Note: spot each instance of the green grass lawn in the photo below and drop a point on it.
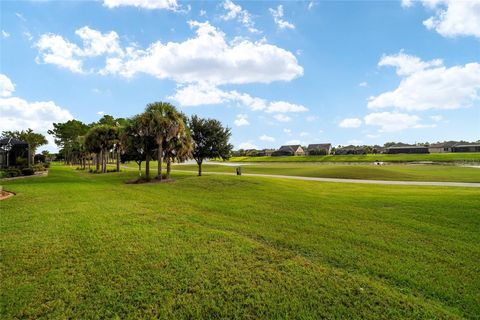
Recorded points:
(437, 157)
(370, 172)
(79, 245)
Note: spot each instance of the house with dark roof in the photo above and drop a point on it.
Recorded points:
(466, 147)
(289, 150)
(266, 152)
(319, 149)
(11, 150)
(442, 147)
(405, 148)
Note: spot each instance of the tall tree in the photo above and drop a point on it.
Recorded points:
(66, 135)
(101, 139)
(178, 148)
(33, 139)
(210, 140)
(166, 123)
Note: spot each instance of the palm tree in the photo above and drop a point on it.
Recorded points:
(101, 139)
(166, 123)
(178, 149)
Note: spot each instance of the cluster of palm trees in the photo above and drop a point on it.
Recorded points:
(161, 131)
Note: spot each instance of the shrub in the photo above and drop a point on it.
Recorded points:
(28, 171)
(38, 167)
(11, 172)
(22, 162)
(47, 164)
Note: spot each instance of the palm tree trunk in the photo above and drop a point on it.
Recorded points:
(159, 158)
(97, 162)
(105, 159)
(118, 161)
(169, 167)
(147, 166)
(199, 168)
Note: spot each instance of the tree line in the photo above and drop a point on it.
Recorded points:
(161, 132)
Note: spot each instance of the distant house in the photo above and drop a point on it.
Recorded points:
(291, 150)
(442, 147)
(349, 150)
(251, 152)
(319, 149)
(266, 152)
(11, 150)
(466, 147)
(405, 148)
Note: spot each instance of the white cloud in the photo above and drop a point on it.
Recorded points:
(363, 84)
(350, 123)
(278, 18)
(235, 12)
(144, 4)
(202, 13)
(429, 85)
(19, 114)
(241, 120)
(20, 16)
(304, 134)
(407, 3)
(406, 64)
(311, 4)
(454, 17)
(5, 34)
(95, 43)
(247, 145)
(28, 35)
(394, 121)
(6, 86)
(101, 113)
(373, 136)
(208, 57)
(283, 107)
(288, 131)
(282, 118)
(437, 118)
(55, 50)
(311, 118)
(267, 138)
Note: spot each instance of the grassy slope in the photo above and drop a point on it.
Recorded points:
(442, 157)
(80, 245)
(369, 172)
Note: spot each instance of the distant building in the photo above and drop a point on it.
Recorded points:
(11, 150)
(290, 150)
(442, 147)
(466, 147)
(251, 152)
(266, 152)
(319, 149)
(405, 148)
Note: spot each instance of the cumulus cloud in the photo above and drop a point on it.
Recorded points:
(266, 138)
(6, 86)
(5, 34)
(19, 114)
(277, 15)
(394, 121)
(283, 107)
(350, 123)
(210, 58)
(235, 12)
(144, 4)
(429, 85)
(363, 84)
(452, 17)
(241, 120)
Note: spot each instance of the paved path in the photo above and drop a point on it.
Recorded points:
(387, 182)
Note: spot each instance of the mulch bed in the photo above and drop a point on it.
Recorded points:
(5, 194)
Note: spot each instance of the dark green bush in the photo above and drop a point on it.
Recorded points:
(11, 172)
(22, 162)
(28, 171)
(39, 167)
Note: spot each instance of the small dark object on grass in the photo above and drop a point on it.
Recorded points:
(239, 171)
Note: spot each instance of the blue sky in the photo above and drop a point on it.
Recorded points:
(361, 72)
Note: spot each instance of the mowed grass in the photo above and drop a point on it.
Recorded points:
(403, 172)
(79, 245)
(437, 157)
